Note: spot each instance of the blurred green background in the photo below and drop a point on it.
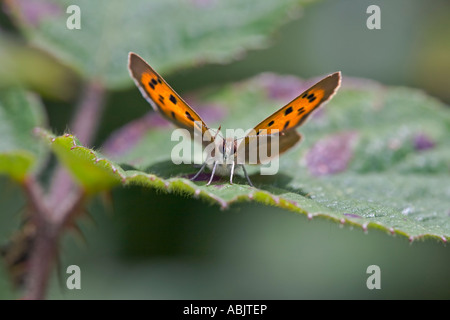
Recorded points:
(157, 246)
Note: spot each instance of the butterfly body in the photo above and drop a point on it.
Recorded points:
(222, 169)
(276, 133)
(223, 160)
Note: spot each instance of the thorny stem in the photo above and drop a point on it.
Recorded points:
(54, 211)
(84, 126)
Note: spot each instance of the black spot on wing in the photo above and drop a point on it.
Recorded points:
(286, 125)
(288, 110)
(161, 99)
(300, 110)
(154, 82)
(173, 114)
(188, 115)
(151, 85)
(271, 123)
(174, 100)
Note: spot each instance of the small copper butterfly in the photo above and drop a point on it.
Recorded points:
(282, 123)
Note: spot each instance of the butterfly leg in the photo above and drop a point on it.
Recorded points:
(212, 174)
(200, 171)
(246, 176)
(232, 172)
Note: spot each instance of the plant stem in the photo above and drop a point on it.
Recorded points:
(56, 210)
(89, 111)
(84, 127)
(43, 245)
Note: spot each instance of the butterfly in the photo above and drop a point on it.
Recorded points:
(231, 153)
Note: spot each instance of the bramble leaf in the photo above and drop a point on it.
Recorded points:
(373, 157)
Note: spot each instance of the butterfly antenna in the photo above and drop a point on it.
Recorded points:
(218, 132)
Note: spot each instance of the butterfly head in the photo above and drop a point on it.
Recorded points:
(227, 150)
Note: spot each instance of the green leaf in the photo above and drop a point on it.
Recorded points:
(33, 69)
(373, 157)
(20, 113)
(170, 33)
(88, 167)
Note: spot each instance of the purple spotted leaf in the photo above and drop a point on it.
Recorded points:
(375, 157)
(128, 136)
(423, 142)
(331, 154)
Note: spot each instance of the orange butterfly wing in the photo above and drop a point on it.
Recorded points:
(162, 97)
(292, 115)
(298, 110)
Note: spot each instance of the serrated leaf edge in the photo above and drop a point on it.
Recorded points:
(184, 186)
